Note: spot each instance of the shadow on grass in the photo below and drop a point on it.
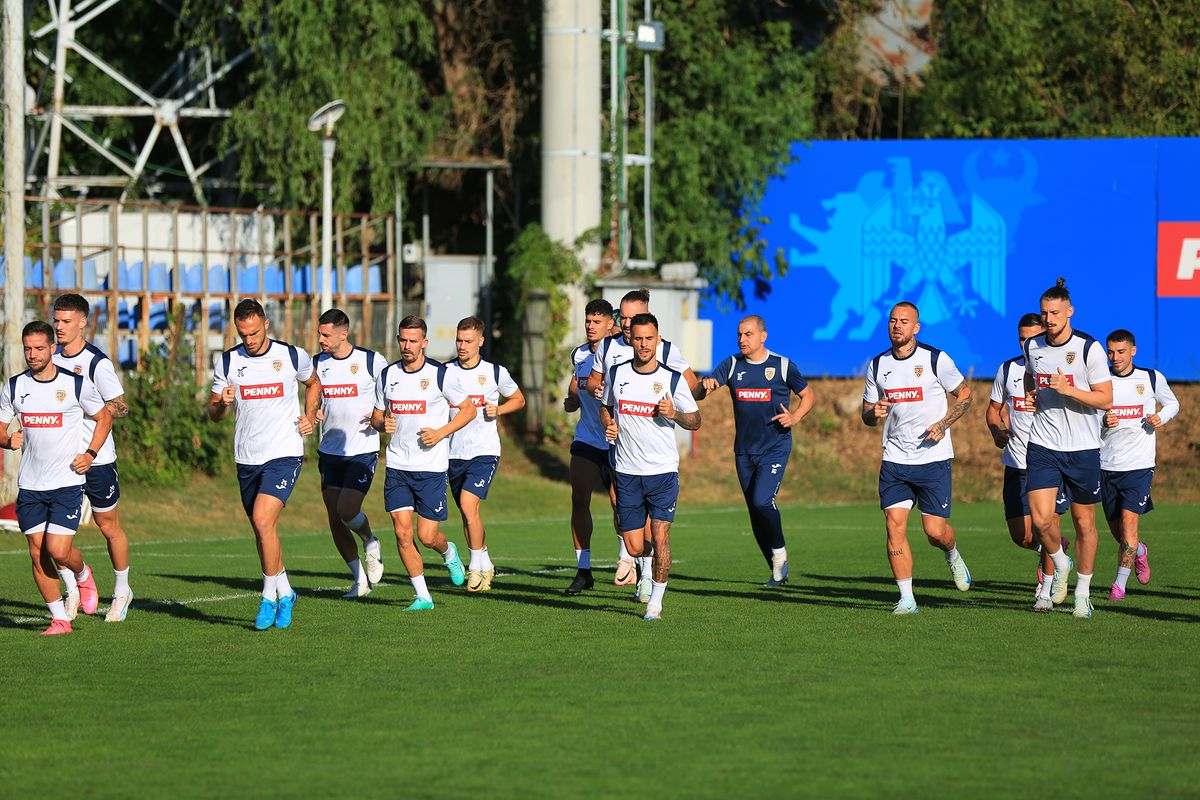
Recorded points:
(549, 463)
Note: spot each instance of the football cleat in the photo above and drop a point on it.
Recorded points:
(488, 576)
(358, 590)
(779, 570)
(1058, 586)
(420, 604)
(266, 615)
(89, 598)
(283, 615)
(475, 580)
(960, 573)
(583, 581)
(653, 613)
(1116, 595)
(71, 601)
(457, 575)
(119, 608)
(626, 572)
(372, 560)
(644, 587)
(1141, 565)
(1066, 543)
(57, 626)
(906, 606)
(1083, 607)
(1043, 604)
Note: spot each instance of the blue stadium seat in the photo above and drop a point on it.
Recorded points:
(301, 278)
(273, 278)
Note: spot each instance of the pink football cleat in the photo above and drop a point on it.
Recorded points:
(1141, 565)
(57, 626)
(89, 598)
(1116, 595)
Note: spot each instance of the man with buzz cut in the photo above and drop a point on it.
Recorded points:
(906, 390)
(761, 385)
(51, 404)
(349, 447)
(102, 487)
(413, 403)
(475, 448)
(1142, 402)
(258, 380)
(617, 349)
(643, 402)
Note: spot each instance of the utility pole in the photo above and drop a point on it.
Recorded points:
(14, 212)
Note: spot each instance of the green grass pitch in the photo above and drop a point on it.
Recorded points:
(811, 690)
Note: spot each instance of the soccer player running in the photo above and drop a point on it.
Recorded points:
(1009, 418)
(1068, 382)
(589, 449)
(349, 447)
(643, 402)
(614, 350)
(761, 384)
(258, 380)
(51, 404)
(906, 391)
(1127, 453)
(101, 487)
(475, 448)
(413, 400)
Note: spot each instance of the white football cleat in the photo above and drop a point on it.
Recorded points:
(357, 590)
(1083, 607)
(1042, 605)
(779, 570)
(372, 560)
(908, 606)
(960, 573)
(1058, 585)
(119, 608)
(644, 587)
(71, 601)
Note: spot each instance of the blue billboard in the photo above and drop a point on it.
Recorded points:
(972, 232)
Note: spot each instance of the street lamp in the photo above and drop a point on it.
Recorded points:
(323, 119)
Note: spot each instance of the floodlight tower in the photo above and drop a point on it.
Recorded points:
(323, 119)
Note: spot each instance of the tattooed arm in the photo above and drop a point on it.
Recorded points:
(118, 407)
(962, 401)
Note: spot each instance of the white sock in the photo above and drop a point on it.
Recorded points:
(779, 551)
(356, 571)
(58, 610)
(624, 553)
(476, 560)
(281, 584)
(269, 592)
(1141, 551)
(418, 582)
(1044, 587)
(372, 546)
(905, 589)
(83, 574)
(68, 579)
(487, 561)
(1083, 585)
(1122, 577)
(1060, 560)
(951, 554)
(656, 593)
(583, 559)
(120, 582)
(449, 553)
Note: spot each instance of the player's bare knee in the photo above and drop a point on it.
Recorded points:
(60, 551)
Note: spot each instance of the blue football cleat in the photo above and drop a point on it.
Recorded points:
(283, 617)
(457, 575)
(266, 615)
(420, 604)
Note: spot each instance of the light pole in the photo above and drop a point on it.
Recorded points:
(323, 119)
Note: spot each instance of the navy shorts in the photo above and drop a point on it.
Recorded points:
(1016, 499)
(101, 486)
(1128, 491)
(474, 475)
(54, 511)
(423, 492)
(277, 478)
(347, 472)
(591, 453)
(1078, 471)
(639, 496)
(927, 484)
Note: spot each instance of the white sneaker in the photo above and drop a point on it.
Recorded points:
(359, 589)
(72, 603)
(779, 570)
(644, 587)
(653, 613)
(119, 608)
(960, 573)
(1058, 585)
(908, 606)
(1083, 607)
(1042, 605)
(372, 560)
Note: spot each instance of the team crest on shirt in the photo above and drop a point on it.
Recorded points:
(918, 371)
(1140, 388)
(354, 369)
(769, 373)
(424, 384)
(277, 365)
(60, 395)
(658, 387)
(1071, 357)
(482, 379)
(78, 370)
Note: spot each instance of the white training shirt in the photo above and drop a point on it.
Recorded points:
(1131, 445)
(51, 416)
(645, 444)
(266, 406)
(1066, 426)
(93, 364)
(916, 385)
(588, 430)
(347, 399)
(419, 399)
(614, 350)
(484, 383)
(1009, 389)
